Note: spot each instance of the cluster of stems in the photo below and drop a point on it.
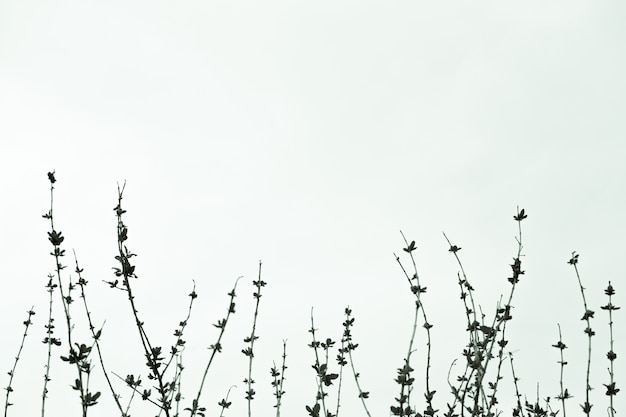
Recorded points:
(475, 393)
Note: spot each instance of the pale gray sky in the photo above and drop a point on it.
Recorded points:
(307, 134)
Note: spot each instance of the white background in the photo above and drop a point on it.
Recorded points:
(306, 135)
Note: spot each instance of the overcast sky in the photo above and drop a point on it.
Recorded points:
(307, 135)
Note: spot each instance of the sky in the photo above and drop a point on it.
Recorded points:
(307, 135)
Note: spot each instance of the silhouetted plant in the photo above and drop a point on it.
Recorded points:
(475, 392)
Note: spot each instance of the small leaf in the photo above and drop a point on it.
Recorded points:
(520, 216)
(410, 248)
(454, 249)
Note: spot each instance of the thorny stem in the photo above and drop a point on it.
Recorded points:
(409, 353)
(126, 270)
(250, 353)
(404, 373)
(465, 280)
(611, 389)
(465, 377)
(217, 347)
(587, 316)
(178, 381)
(358, 384)
(472, 326)
(506, 315)
(278, 386)
(347, 346)
(56, 239)
(50, 341)
(96, 336)
(341, 364)
(9, 388)
(564, 394)
(418, 290)
(517, 394)
(320, 386)
(183, 325)
(343, 343)
(407, 361)
(176, 352)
